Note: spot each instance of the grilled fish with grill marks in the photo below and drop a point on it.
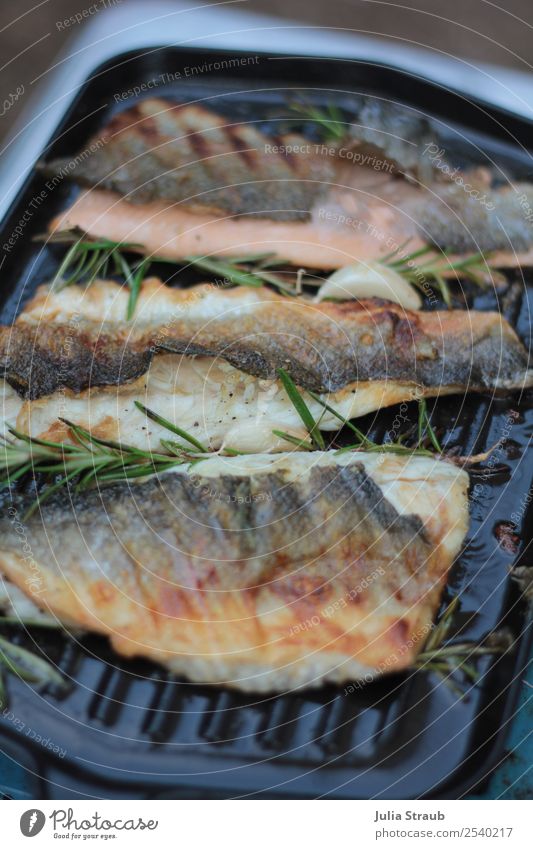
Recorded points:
(181, 180)
(78, 337)
(264, 573)
(189, 154)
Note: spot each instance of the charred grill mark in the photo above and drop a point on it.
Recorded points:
(148, 132)
(200, 146)
(290, 158)
(125, 120)
(165, 153)
(242, 147)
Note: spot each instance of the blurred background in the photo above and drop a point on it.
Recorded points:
(33, 33)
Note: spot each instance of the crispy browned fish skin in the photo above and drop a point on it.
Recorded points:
(219, 576)
(324, 347)
(187, 153)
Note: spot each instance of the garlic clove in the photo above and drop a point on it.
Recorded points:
(369, 280)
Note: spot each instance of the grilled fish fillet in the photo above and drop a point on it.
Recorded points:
(78, 337)
(187, 153)
(219, 405)
(181, 180)
(264, 573)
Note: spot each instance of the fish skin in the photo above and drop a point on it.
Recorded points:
(459, 223)
(187, 153)
(324, 347)
(215, 573)
(191, 155)
(34, 362)
(396, 134)
(318, 210)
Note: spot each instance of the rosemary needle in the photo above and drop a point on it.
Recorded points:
(171, 427)
(363, 443)
(26, 665)
(329, 119)
(302, 409)
(425, 265)
(446, 658)
(88, 259)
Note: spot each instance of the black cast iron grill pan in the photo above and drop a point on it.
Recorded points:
(128, 730)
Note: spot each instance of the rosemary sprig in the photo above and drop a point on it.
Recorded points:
(435, 267)
(425, 431)
(328, 119)
(26, 665)
(252, 270)
(313, 427)
(86, 461)
(363, 442)
(155, 417)
(87, 259)
(446, 658)
(425, 428)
